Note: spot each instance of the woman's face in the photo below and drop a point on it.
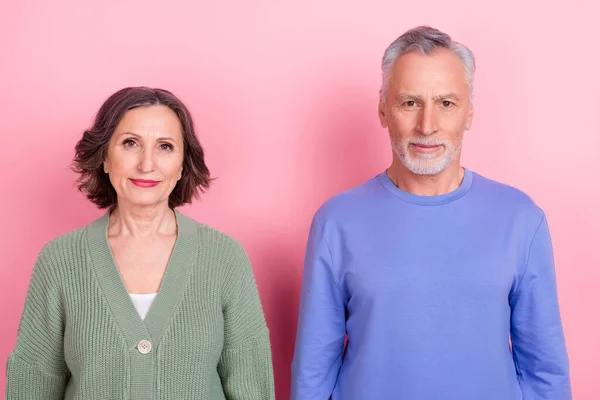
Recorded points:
(145, 156)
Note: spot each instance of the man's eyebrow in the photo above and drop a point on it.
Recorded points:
(451, 96)
(408, 97)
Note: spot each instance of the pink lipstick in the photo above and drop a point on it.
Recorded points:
(145, 183)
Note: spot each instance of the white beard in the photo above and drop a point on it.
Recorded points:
(425, 164)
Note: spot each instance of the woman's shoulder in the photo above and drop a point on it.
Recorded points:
(66, 242)
(62, 252)
(212, 238)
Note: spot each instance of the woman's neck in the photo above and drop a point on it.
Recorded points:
(142, 222)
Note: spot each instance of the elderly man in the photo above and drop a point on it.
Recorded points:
(441, 280)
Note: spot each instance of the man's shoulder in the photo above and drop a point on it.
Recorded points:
(504, 196)
(350, 201)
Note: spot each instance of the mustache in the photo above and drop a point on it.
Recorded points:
(428, 141)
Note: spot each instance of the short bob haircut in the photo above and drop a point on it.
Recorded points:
(91, 151)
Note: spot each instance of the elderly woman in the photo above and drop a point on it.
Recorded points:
(143, 303)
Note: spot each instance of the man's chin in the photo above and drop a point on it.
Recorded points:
(425, 167)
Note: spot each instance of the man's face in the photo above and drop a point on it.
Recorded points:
(427, 110)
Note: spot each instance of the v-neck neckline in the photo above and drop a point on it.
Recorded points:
(168, 296)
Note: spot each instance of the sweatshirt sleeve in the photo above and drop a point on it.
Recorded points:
(537, 337)
(321, 324)
(245, 366)
(36, 369)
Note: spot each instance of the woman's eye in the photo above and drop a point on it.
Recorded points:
(129, 143)
(166, 147)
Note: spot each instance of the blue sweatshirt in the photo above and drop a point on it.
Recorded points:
(449, 297)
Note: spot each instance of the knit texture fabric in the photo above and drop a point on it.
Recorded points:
(80, 336)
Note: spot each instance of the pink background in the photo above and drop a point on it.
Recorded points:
(285, 96)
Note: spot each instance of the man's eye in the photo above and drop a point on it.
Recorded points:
(447, 104)
(410, 103)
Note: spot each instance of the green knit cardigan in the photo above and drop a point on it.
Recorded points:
(80, 336)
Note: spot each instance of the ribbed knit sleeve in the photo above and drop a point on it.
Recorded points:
(245, 366)
(36, 369)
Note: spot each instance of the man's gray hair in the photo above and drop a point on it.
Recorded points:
(425, 40)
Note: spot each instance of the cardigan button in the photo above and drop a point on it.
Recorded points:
(144, 346)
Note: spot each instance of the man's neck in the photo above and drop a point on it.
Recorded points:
(445, 182)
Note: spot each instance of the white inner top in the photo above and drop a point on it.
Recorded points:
(142, 302)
